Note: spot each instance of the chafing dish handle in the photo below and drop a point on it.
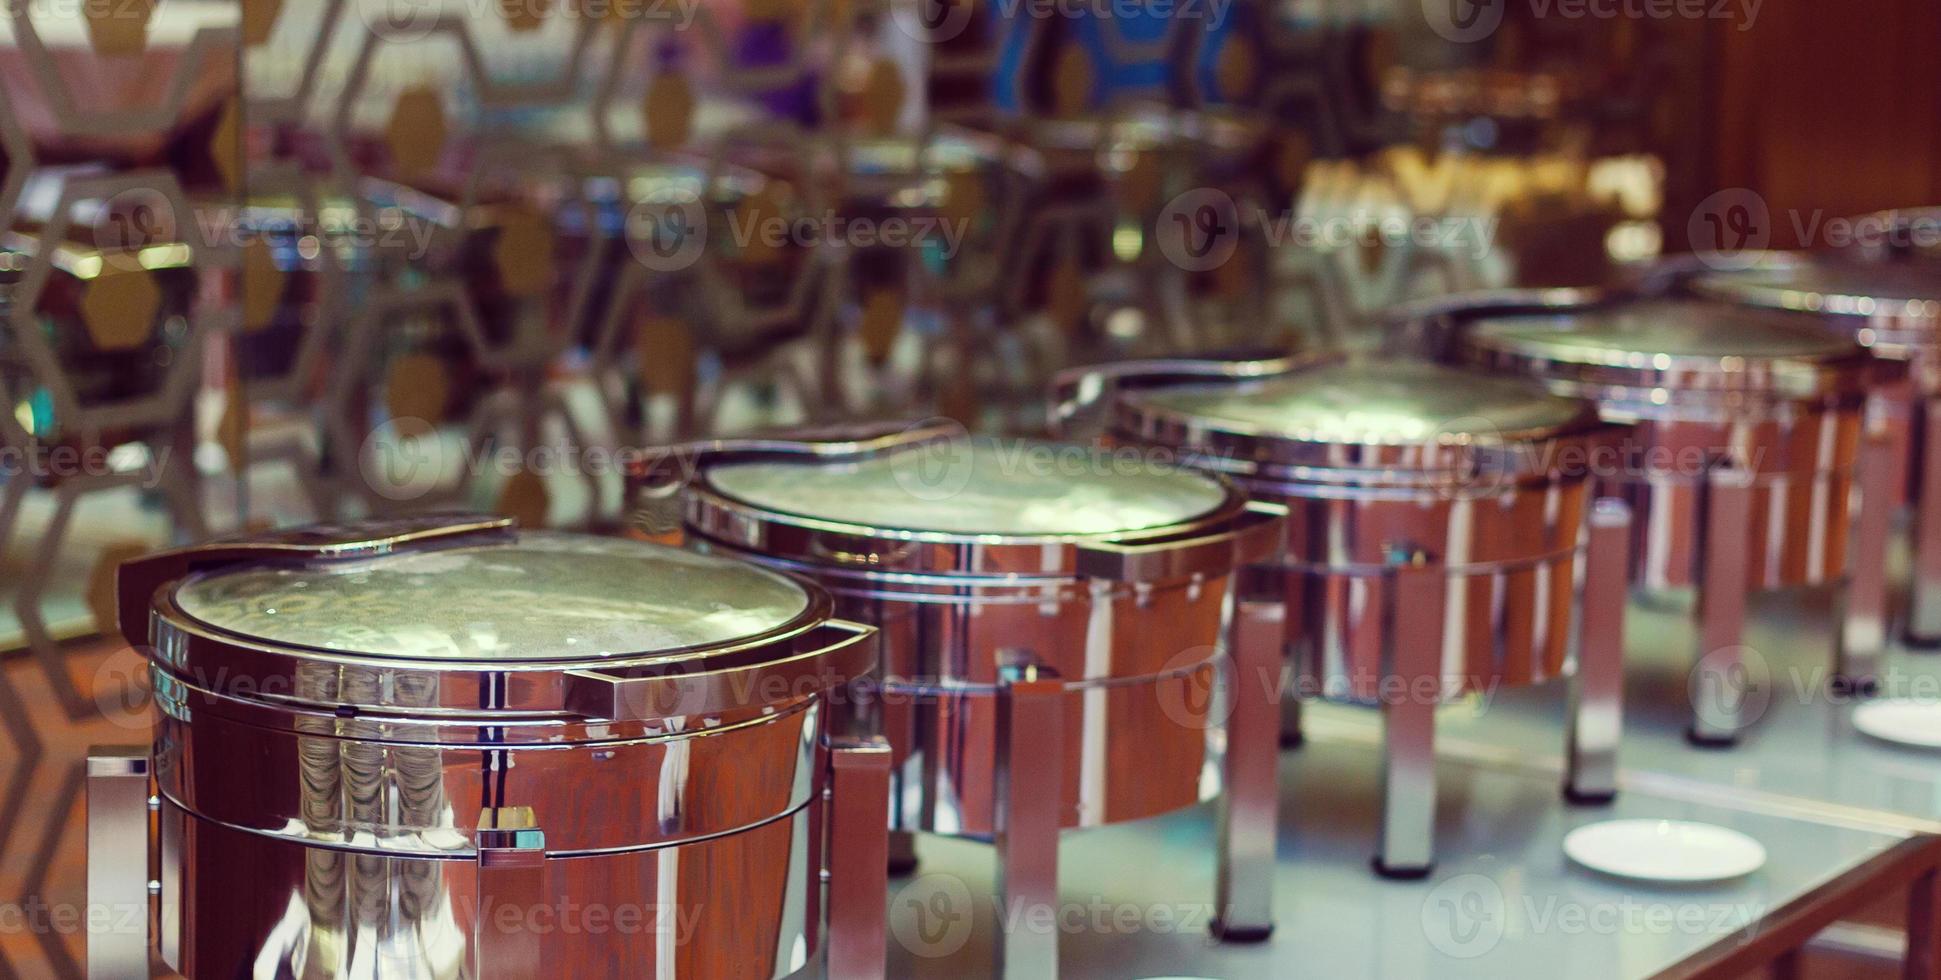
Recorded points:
(119, 790)
(674, 465)
(847, 654)
(136, 582)
(856, 859)
(1076, 391)
(1252, 536)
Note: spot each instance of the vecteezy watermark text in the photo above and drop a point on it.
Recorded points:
(938, 21)
(1469, 21)
(1468, 915)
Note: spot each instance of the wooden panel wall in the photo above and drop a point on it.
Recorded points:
(1833, 106)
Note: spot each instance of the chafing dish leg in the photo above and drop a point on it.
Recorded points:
(902, 853)
(1863, 602)
(118, 889)
(1030, 795)
(1597, 690)
(1260, 623)
(511, 887)
(1406, 848)
(1924, 599)
(1291, 736)
(1250, 799)
(1719, 679)
(858, 856)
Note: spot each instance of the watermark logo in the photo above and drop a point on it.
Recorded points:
(401, 21)
(132, 220)
(668, 231)
(939, 21)
(932, 915)
(1199, 230)
(1202, 694)
(1731, 688)
(936, 469)
(1466, 916)
(1470, 21)
(1730, 228)
(124, 689)
(932, 21)
(402, 459)
(1463, 21)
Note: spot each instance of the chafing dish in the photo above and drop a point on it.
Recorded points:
(444, 747)
(1747, 432)
(1442, 540)
(1894, 310)
(1052, 623)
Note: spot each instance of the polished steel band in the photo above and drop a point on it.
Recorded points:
(236, 903)
(1136, 659)
(593, 794)
(1205, 544)
(1509, 561)
(810, 654)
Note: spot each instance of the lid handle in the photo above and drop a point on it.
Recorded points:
(662, 472)
(137, 581)
(1077, 391)
(1252, 536)
(832, 654)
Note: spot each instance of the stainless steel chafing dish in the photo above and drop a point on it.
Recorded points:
(445, 748)
(1052, 619)
(1894, 310)
(1747, 431)
(1441, 540)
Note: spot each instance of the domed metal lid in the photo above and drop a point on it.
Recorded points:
(937, 501)
(1893, 308)
(1354, 414)
(536, 597)
(1374, 403)
(458, 616)
(1673, 345)
(1010, 488)
(1830, 284)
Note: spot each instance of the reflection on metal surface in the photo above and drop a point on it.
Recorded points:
(417, 833)
(1034, 676)
(1429, 553)
(1744, 456)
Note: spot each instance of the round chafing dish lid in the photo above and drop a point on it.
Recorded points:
(539, 597)
(1821, 284)
(978, 487)
(1642, 334)
(1370, 403)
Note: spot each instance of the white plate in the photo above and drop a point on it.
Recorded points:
(1664, 850)
(1903, 721)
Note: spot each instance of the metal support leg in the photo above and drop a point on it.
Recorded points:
(118, 794)
(902, 853)
(1719, 677)
(1923, 960)
(1030, 798)
(1291, 736)
(858, 857)
(1406, 848)
(1863, 603)
(1597, 690)
(1924, 599)
(511, 884)
(1250, 800)
(1260, 623)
